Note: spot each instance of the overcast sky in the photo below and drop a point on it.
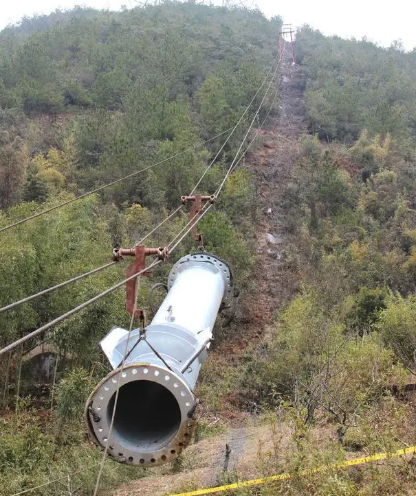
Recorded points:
(381, 21)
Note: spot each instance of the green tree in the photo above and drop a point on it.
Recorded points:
(215, 112)
(13, 157)
(398, 329)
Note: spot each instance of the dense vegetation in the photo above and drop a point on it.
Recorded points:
(87, 97)
(355, 85)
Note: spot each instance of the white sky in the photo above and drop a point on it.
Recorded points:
(382, 21)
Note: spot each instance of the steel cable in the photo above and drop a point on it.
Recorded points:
(105, 186)
(128, 176)
(57, 286)
(74, 310)
(257, 132)
(230, 169)
(113, 414)
(235, 127)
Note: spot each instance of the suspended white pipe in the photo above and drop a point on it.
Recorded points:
(154, 417)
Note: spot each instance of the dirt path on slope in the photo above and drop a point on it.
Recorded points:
(273, 163)
(203, 463)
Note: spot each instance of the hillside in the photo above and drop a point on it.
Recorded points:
(86, 99)
(318, 222)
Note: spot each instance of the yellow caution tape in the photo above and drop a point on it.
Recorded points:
(280, 477)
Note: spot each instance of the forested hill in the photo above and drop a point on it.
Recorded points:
(130, 80)
(344, 351)
(87, 97)
(39, 22)
(355, 85)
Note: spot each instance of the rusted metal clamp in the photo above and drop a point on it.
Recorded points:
(139, 253)
(196, 209)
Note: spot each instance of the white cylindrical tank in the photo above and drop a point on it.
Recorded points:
(154, 416)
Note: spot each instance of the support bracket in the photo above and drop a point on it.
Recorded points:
(139, 253)
(196, 209)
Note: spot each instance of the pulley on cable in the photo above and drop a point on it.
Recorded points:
(139, 252)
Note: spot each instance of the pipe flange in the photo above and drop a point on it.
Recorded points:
(137, 446)
(204, 258)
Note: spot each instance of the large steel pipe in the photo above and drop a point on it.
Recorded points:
(154, 416)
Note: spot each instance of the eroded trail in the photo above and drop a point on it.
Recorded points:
(273, 163)
(203, 463)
